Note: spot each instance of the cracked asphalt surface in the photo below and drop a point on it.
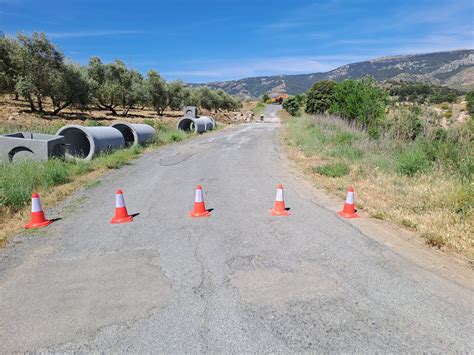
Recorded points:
(239, 281)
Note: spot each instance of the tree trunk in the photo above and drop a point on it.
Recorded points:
(40, 104)
(108, 107)
(32, 104)
(125, 112)
(59, 108)
(17, 97)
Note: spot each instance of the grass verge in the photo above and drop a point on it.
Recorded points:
(55, 179)
(259, 107)
(424, 186)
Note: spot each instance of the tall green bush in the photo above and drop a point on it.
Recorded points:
(360, 101)
(320, 97)
(292, 106)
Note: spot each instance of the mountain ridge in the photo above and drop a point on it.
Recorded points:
(454, 68)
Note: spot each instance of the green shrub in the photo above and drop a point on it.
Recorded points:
(292, 106)
(149, 122)
(470, 102)
(405, 124)
(462, 199)
(320, 97)
(342, 137)
(166, 134)
(94, 123)
(332, 170)
(360, 101)
(258, 109)
(412, 160)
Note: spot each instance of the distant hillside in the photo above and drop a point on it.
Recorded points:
(452, 68)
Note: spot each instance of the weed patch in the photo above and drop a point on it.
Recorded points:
(332, 170)
(412, 161)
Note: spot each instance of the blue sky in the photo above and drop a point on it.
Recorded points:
(210, 40)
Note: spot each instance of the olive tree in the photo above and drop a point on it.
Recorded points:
(191, 97)
(109, 82)
(133, 91)
(39, 64)
(70, 87)
(157, 92)
(175, 90)
(8, 67)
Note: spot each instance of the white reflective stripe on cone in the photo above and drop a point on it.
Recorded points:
(119, 202)
(350, 198)
(198, 195)
(36, 205)
(279, 196)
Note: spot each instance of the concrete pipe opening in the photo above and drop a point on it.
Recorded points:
(85, 142)
(78, 144)
(192, 124)
(127, 133)
(186, 124)
(135, 133)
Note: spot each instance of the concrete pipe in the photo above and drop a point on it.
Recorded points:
(135, 133)
(209, 122)
(86, 142)
(191, 124)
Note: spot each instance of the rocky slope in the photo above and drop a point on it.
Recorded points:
(451, 68)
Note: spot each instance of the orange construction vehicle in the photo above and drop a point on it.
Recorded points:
(279, 99)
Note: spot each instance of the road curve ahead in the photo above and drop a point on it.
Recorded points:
(239, 281)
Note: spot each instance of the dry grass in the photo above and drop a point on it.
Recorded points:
(435, 204)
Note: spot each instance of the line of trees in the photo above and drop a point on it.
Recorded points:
(34, 68)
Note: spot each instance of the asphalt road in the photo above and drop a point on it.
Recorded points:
(239, 281)
(270, 114)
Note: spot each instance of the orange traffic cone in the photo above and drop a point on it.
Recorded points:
(349, 210)
(279, 209)
(199, 207)
(121, 214)
(37, 215)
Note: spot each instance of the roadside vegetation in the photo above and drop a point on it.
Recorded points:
(259, 107)
(18, 181)
(406, 164)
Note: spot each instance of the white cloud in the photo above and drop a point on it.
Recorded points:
(92, 33)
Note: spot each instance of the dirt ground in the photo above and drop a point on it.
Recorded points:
(16, 115)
